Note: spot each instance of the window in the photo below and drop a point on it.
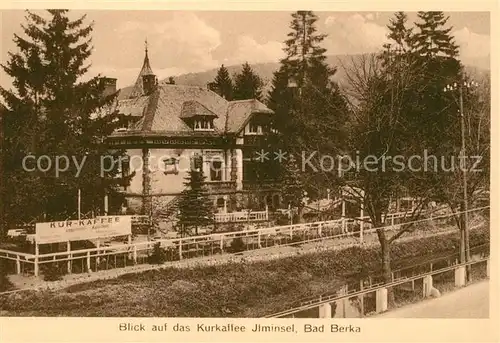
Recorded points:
(122, 166)
(170, 165)
(125, 168)
(216, 171)
(203, 124)
(197, 162)
(254, 129)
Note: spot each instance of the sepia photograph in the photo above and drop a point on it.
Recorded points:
(245, 164)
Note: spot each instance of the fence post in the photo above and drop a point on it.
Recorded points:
(325, 310)
(258, 239)
(98, 252)
(381, 300)
(129, 242)
(362, 299)
(88, 262)
(134, 255)
(460, 276)
(68, 248)
(343, 217)
(427, 286)
(180, 249)
(267, 212)
(18, 264)
(36, 266)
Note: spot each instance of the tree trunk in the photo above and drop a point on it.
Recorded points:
(386, 264)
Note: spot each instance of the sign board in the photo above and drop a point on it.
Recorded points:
(84, 229)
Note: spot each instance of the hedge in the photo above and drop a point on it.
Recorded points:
(231, 290)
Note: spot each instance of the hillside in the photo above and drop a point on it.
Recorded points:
(266, 70)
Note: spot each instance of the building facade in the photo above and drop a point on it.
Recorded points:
(168, 127)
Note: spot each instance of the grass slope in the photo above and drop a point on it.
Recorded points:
(234, 290)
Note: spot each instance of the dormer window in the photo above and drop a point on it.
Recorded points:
(254, 128)
(126, 122)
(197, 116)
(203, 124)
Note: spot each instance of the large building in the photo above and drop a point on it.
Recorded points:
(169, 125)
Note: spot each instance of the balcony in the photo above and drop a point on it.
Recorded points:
(221, 186)
(264, 185)
(242, 216)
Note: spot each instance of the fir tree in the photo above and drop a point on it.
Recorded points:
(171, 80)
(222, 85)
(52, 113)
(433, 38)
(401, 36)
(248, 85)
(305, 58)
(315, 107)
(310, 111)
(292, 188)
(194, 205)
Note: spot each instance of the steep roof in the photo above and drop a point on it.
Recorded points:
(193, 108)
(239, 112)
(138, 90)
(165, 109)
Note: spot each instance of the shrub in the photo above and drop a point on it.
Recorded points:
(237, 245)
(53, 271)
(5, 283)
(159, 255)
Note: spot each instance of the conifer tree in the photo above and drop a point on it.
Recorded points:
(314, 107)
(248, 85)
(194, 205)
(52, 113)
(292, 187)
(222, 84)
(433, 38)
(401, 36)
(310, 111)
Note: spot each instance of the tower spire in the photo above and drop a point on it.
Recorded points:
(146, 70)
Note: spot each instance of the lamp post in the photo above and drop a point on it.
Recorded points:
(464, 236)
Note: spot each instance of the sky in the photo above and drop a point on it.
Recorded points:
(190, 41)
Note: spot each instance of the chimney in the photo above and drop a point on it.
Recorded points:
(109, 86)
(149, 83)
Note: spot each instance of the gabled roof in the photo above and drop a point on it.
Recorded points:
(239, 113)
(193, 108)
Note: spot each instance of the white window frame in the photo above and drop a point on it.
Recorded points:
(171, 166)
(203, 124)
(257, 129)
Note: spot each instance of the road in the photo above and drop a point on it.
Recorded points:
(469, 302)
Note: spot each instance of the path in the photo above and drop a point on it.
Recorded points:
(469, 302)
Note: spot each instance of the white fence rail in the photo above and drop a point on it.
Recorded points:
(242, 216)
(352, 231)
(381, 297)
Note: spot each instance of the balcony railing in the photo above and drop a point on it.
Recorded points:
(220, 186)
(243, 216)
(260, 185)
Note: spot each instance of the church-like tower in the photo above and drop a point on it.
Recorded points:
(146, 81)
